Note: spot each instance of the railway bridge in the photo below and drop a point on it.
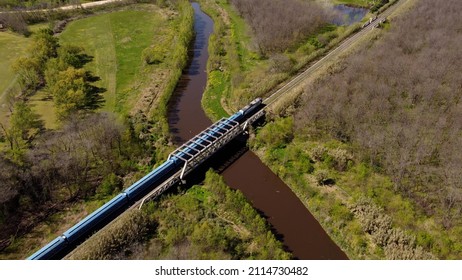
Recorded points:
(201, 147)
(180, 163)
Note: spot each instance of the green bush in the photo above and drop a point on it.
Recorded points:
(132, 226)
(110, 183)
(323, 177)
(276, 134)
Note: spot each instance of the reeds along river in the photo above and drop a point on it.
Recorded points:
(290, 220)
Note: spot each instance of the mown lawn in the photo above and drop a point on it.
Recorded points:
(42, 103)
(115, 41)
(11, 47)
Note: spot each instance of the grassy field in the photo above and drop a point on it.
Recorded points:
(42, 103)
(11, 46)
(116, 41)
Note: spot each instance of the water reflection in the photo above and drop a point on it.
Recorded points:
(347, 15)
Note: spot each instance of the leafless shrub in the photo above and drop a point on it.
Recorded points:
(318, 153)
(397, 244)
(16, 22)
(341, 158)
(280, 63)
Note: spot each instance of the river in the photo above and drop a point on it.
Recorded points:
(291, 222)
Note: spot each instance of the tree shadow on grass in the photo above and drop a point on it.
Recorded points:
(83, 59)
(95, 99)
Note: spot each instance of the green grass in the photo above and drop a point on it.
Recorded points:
(212, 102)
(115, 40)
(42, 104)
(358, 3)
(11, 47)
(231, 45)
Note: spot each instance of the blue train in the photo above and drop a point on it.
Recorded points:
(119, 203)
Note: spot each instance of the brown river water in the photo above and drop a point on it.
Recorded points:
(289, 219)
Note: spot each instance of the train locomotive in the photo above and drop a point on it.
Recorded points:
(122, 201)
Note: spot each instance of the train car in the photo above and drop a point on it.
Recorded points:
(142, 186)
(220, 128)
(50, 250)
(93, 221)
(247, 111)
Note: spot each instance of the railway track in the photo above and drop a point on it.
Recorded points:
(296, 81)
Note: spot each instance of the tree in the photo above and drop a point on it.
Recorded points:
(70, 55)
(24, 127)
(28, 71)
(45, 46)
(73, 92)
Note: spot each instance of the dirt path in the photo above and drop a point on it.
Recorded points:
(69, 7)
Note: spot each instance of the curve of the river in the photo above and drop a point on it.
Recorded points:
(292, 223)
